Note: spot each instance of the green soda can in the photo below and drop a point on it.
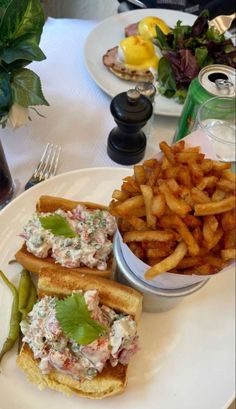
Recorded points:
(213, 80)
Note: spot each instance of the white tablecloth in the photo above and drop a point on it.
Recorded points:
(78, 118)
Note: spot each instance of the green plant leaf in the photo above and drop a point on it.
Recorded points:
(180, 33)
(15, 65)
(23, 48)
(3, 6)
(214, 35)
(75, 320)
(201, 54)
(167, 84)
(180, 95)
(161, 39)
(22, 17)
(5, 92)
(26, 88)
(57, 225)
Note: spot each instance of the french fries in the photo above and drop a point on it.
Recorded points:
(127, 206)
(167, 263)
(221, 206)
(228, 254)
(178, 206)
(140, 174)
(158, 205)
(148, 197)
(210, 225)
(147, 236)
(174, 221)
(177, 214)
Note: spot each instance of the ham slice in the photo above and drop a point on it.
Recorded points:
(131, 30)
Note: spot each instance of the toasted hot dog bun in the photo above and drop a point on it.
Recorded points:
(115, 295)
(112, 380)
(52, 203)
(35, 264)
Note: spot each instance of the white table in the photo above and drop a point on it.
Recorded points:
(78, 118)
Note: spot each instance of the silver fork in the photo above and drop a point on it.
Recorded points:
(222, 23)
(47, 165)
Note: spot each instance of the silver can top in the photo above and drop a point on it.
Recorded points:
(218, 80)
(147, 89)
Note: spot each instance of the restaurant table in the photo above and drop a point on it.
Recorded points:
(78, 117)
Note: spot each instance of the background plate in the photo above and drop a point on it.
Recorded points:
(108, 34)
(186, 357)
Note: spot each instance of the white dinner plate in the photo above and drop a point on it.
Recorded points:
(186, 357)
(108, 34)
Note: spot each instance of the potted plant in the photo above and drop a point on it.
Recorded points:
(21, 25)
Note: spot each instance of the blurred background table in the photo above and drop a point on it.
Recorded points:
(78, 117)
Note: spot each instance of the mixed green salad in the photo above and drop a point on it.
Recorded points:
(186, 50)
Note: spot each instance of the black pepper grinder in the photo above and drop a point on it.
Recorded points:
(127, 142)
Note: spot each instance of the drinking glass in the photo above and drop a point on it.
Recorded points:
(6, 182)
(216, 117)
(148, 90)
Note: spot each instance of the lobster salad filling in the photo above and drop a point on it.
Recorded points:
(43, 332)
(81, 237)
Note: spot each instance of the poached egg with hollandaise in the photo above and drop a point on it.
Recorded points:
(136, 57)
(147, 27)
(137, 53)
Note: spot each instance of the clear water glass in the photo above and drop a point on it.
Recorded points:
(216, 117)
(148, 90)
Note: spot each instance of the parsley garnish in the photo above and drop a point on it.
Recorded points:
(75, 320)
(57, 225)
